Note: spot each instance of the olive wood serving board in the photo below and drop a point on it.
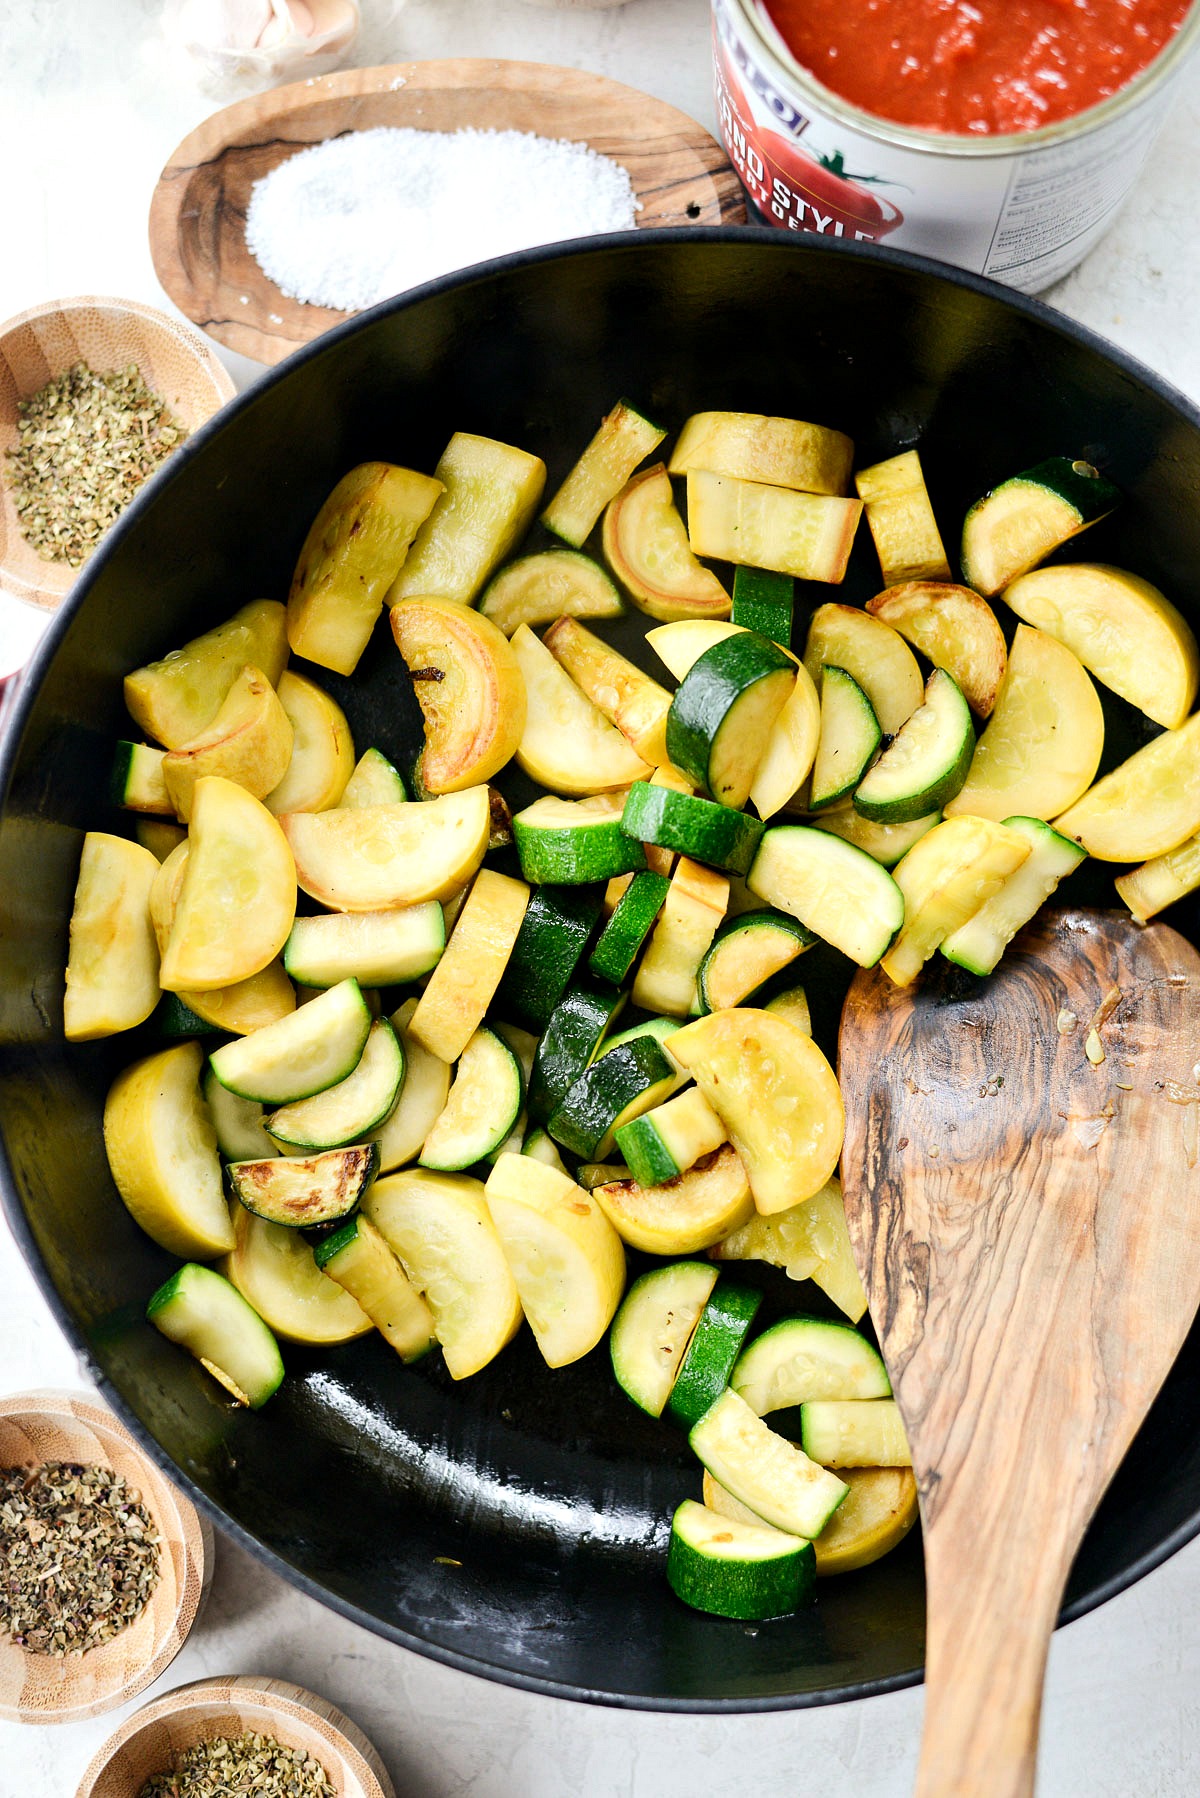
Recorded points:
(679, 173)
(1027, 1225)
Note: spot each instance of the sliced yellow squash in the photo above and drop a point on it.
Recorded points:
(237, 901)
(1145, 807)
(874, 654)
(697, 1208)
(470, 689)
(162, 1150)
(248, 1004)
(568, 745)
(1160, 882)
(1123, 630)
(272, 1267)
(1043, 742)
(373, 857)
(637, 705)
(945, 878)
(956, 629)
(646, 546)
(249, 741)
(463, 984)
(782, 452)
(440, 1228)
(353, 552)
(565, 1256)
(901, 521)
(876, 1514)
(665, 982)
(322, 758)
(112, 962)
(422, 1099)
(175, 699)
(159, 836)
(754, 525)
(776, 1094)
(491, 494)
(810, 1241)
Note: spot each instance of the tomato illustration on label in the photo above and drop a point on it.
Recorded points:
(795, 189)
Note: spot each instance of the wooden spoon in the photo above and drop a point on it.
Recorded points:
(1026, 1219)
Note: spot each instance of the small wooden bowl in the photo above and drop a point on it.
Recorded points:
(176, 363)
(146, 1742)
(36, 1427)
(679, 173)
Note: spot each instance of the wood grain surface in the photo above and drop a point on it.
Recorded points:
(147, 1742)
(1028, 1228)
(36, 1427)
(107, 334)
(679, 172)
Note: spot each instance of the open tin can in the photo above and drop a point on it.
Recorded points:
(1022, 207)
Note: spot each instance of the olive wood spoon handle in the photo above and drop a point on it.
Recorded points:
(1026, 1219)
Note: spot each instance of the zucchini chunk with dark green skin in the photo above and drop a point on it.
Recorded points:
(723, 710)
(728, 1568)
(850, 736)
(764, 601)
(550, 943)
(653, 1327)
(746, 952)
(713, 1351)
(200, 1309)
(622, 1083)
(926, 764)
(302, 1190)
(1015, 526)
(138, 782)
(633, 918)
(359, 1258)
(576, 1027)
(714, 834)
(350, 1111)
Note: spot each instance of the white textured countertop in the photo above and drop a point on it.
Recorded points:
(88, 115)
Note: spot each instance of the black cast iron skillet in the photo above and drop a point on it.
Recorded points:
(516, 1526)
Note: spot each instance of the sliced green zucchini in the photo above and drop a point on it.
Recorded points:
(770, 1475)
(240, 1123)
(873, 653)
(661, 1029)
(353, 1110)
(792, 1005)
(541, 1147)
(646, 546)
(373, 782)
(695, 905)
(745, 953)
(700, 828)
(483, 1105)
(679, 1216)
(713, 1351)
(549, 947)
(631, 921)
(575, 842)
(945, 879)
(926, 764)
(491, 492)
(624, 439)
(376, 948)
(1017, 524)
(524, 1046)
(901, 521)
(359, 1258)
(837, 891)
(138, 782)
(978, 944)
(864, 1432)
(571, 1038)
(803, 1358)
(272, 1267)
(805, 534)
(555, 583)
(764, 601)
(626, 1080)
(198, 1308)
(885, 843)
(651, 1331)
(175, 1019)
(850, 738)
(728, 1568)
(304, 1190)
(665, 1142)
(723, 712)
(1158, 883)
(304, 1053)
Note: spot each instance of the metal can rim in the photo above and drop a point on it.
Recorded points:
(770, 46)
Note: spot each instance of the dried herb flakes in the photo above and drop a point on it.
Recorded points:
(85, 444)
(246, 1766)
(79, 1556)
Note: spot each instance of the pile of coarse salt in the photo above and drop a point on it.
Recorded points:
(360, 217)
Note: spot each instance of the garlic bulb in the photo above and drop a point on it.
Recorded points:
(254, 42)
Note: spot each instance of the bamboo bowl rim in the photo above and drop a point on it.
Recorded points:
(232, 1705)
(43, 341)
(41, 1426)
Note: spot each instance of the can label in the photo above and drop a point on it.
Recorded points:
(1025, 219)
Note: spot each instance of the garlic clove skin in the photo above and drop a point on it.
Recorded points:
(254, 43)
